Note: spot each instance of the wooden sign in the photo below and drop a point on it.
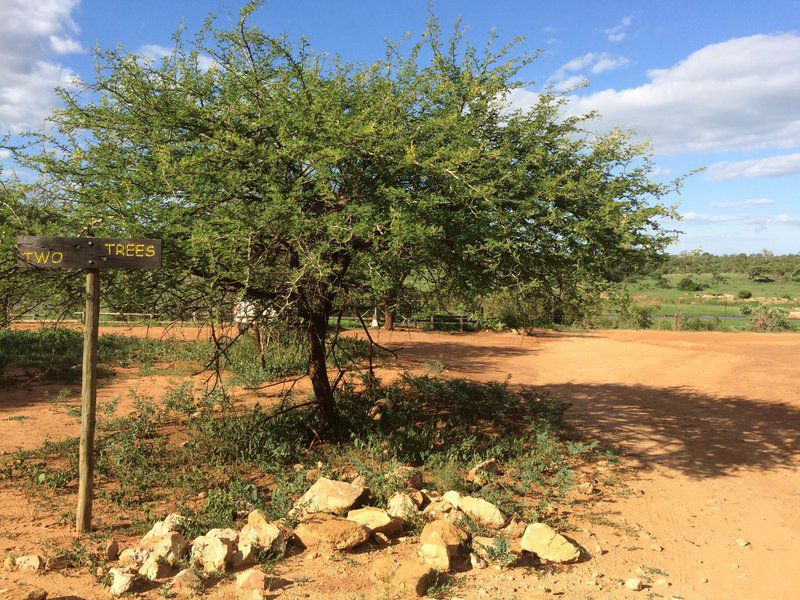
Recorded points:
(92, 254)
(88, 253)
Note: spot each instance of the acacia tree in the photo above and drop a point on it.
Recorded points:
(293, 179)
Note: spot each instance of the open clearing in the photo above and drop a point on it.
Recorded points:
(708, 421)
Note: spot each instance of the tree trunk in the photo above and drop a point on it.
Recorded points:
(262, 359)
(5, 316)
(388, 317)
(317, 327)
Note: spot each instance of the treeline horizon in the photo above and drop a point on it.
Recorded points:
(782, 265)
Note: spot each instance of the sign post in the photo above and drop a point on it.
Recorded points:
(92, 254)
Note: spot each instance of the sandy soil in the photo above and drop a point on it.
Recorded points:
(709, 422)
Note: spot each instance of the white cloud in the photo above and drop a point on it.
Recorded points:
(609, 63)
(568, 77)
(156, 52)
(744, 203)
(773, 166)
(31, 31)
(66, 45)
(618, 32)
(741, 94)
(789, 220)
(756, 221)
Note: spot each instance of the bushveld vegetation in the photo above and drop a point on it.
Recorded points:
(308, 186)
(169, 450)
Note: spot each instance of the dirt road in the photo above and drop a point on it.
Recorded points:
(711, 421)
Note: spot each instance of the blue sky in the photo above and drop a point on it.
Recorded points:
(711, 84)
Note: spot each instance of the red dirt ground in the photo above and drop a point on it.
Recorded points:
(709, 422)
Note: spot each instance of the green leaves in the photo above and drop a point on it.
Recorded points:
(297, 180)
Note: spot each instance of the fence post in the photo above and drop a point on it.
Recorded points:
(83, 518)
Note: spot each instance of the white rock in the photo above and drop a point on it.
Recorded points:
(327, 496)
(215, 550)
(172, 522)
(633, 584)
(482, 511)
(402, 506)
(548, 544)
(122, 580)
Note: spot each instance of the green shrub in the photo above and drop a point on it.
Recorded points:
(52, 353)
(687, 284)
(744, 294)
(767, 318)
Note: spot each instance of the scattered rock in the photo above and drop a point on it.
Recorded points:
(155, 568)
(634, 584)
(656, 547)
(742, 542)
(172, 522)
(515, 529)
(440, 542)
(586, 488)
(481, 546)
(169, 548)
(327, 496)
(452, 497)
(215, 550)
(246, 554)
(122, 580)
(376, 520)
(477, 561)
(436, 509)
(402, 506)
(481, 473)
(548, 544)
(419, 498)
(329, 531)
(25, 592)
(482, 511)
(252, 579)
(30, 563)
(406, 579)
(186, 582)
(266, 535)
(9, 563)
(133, 558)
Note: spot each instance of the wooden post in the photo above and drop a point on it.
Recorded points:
(83, 519)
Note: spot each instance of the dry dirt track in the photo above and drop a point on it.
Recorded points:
(710, 420)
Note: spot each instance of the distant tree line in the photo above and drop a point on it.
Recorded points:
(763, 267)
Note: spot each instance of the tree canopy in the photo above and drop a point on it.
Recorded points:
(301, 181)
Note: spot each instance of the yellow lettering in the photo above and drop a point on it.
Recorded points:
(150, 251)
(109, 247)
(57, 257)
(119, 250)
(129, 249)
(27, 254)
(139, 249)
(41, 257)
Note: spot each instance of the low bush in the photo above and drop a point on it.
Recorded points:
(687, 284)
(744, 294)
(766, 318)
(261, 458)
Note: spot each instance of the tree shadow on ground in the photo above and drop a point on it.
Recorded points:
(677, 427)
